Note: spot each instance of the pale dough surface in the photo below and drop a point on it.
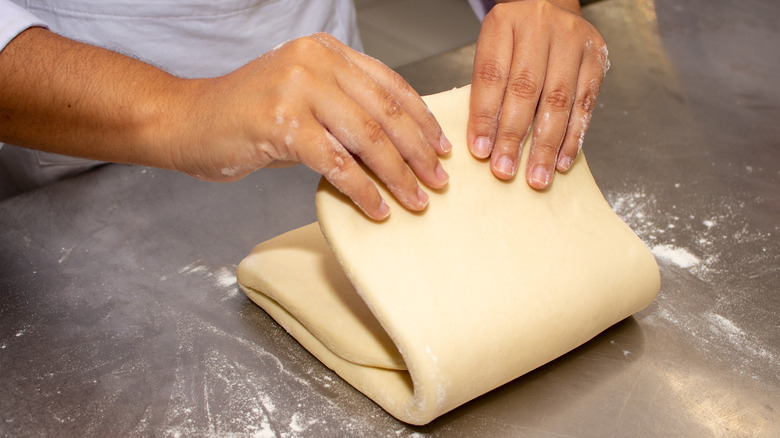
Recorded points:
(424, 312)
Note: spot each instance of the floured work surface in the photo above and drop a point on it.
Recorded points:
(424, 312)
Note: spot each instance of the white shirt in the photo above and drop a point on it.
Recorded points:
(188, 38)
(14, 20)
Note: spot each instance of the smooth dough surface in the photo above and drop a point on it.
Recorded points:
(425, 311)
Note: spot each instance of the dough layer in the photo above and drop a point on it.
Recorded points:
(425, 311)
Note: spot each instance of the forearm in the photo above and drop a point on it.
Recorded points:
(62, 96)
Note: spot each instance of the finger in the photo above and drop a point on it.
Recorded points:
(312, 145)
(387, 98)
(594, 67)
(488, 82)
(330, 158)
(398, 126)
(364, 137)
(521, 99)
(407, 97)
(552, 118)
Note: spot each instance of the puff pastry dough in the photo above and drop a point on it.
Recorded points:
(426, 311)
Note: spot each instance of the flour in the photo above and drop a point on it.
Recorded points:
(223, 277)
(720, 252)
(65, 254)
(250, 387)
(728, 330)
(681, 238)
(720, 339)
(705, 245)
(678, 256)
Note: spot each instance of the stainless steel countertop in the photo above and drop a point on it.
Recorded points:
(120, 315)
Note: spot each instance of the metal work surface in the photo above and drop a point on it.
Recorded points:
(120, 315)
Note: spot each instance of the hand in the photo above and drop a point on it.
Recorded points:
(318, 102)
(536, 64)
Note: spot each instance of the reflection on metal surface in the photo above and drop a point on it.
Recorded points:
(722, 411)
(640, 54)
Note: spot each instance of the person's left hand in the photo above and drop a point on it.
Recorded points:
(540, 64)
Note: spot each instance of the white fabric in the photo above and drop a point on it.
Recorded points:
(195, 38)
(189, 38)
(480, 8)
(14, 20)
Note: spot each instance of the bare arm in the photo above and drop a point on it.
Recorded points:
(313, 101)
(71, 98)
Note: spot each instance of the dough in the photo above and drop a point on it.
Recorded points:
(426, 311)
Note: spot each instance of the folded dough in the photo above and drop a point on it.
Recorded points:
(426, 311)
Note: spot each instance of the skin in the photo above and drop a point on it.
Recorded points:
(63, 96)
(538, 64)
(75, 99)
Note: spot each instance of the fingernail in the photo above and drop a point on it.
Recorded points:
(540, 177)
(481, 147)
(565, 163)
(506, 166)
(445, 144)
(422, 197)
(384, 209)
(441, 174)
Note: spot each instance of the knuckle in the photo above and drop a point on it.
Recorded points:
(392, 109)
(523, 86)
(297, 73)
(545, 148)
(558, 99)
(585, 104)
(484, 119)
(484, 123)
(510, 138)
(338, 164)
(398, 82)
(304, 45)
(316, 46)
(587, 100)
(374, 132)
(490, 72)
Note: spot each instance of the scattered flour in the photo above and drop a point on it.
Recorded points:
(65, 254)
(679, 256)
(223, 277)
(720, 247)
(684, 238)
(721, 339)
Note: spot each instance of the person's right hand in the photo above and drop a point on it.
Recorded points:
(315, 101)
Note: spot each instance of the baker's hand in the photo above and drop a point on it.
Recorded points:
(540, 64)
(316, 101)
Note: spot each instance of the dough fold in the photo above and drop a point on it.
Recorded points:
(425, 311)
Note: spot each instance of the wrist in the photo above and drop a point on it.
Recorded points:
(180, 124)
